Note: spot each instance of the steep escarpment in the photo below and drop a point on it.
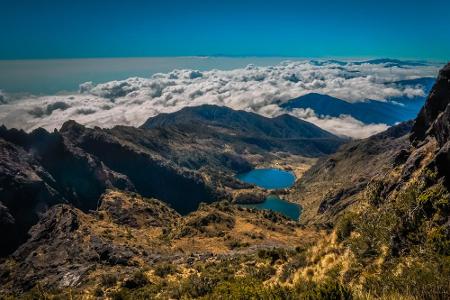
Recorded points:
(151, 174)
(23, 185)
(434, 121)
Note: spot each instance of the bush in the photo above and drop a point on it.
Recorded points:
(164, 270)
(345, 226)
(328, 289)
(108, 280)
(198, 286)
(138, 279)
(273, 254)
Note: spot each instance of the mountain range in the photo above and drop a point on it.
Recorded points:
(183, 159)
(149, 212)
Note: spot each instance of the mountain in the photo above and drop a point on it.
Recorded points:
(246, 123)
(393, 62)
(192, 160)
(367, 112)
(390, 112)
(324, 192)
(388, 62)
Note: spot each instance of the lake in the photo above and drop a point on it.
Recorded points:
(269, 178)
(272, 179)
(273, 202)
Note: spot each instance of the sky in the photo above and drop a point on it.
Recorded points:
(412, 29)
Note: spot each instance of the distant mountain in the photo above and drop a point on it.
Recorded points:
(392, 62)
(388, 62)
(392, 111)
(246, 123)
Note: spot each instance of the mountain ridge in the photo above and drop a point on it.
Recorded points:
(391, 111)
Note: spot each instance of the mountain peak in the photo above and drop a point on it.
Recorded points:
(244, 123)
(431, 118)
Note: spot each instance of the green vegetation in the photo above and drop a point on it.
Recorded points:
(198, 287)
(402, 244)
(165, 269)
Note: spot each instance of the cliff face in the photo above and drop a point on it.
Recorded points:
(433, 118)
(76, 165)
(433, 121)
(41, 169)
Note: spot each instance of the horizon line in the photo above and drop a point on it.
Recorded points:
(343, 58)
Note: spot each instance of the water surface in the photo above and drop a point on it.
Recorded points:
(272, 179)
(268, 178)
(274, 203)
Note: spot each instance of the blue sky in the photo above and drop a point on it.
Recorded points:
(72, 29)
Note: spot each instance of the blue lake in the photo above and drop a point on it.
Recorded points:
(289, 209)
(272, 179)
(268, 178)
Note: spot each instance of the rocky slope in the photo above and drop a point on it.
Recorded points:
(337, 181)
(70, 248)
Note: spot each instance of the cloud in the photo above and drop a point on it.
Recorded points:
(2, 98)
(253, 88)
(344, 125)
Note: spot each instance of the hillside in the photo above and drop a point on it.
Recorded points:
(336, 181)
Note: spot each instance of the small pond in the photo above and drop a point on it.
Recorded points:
(272, 179)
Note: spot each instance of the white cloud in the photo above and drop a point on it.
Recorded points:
(257, 89)
(344, 125)
(2, 97)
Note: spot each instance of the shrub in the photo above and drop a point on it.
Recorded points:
(198, 286)
(327, 289)
(165, 269)
(345, 226)
(108, 280)
(138, 279)
(273, 254)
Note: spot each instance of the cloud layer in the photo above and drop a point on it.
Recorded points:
(256, 89)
